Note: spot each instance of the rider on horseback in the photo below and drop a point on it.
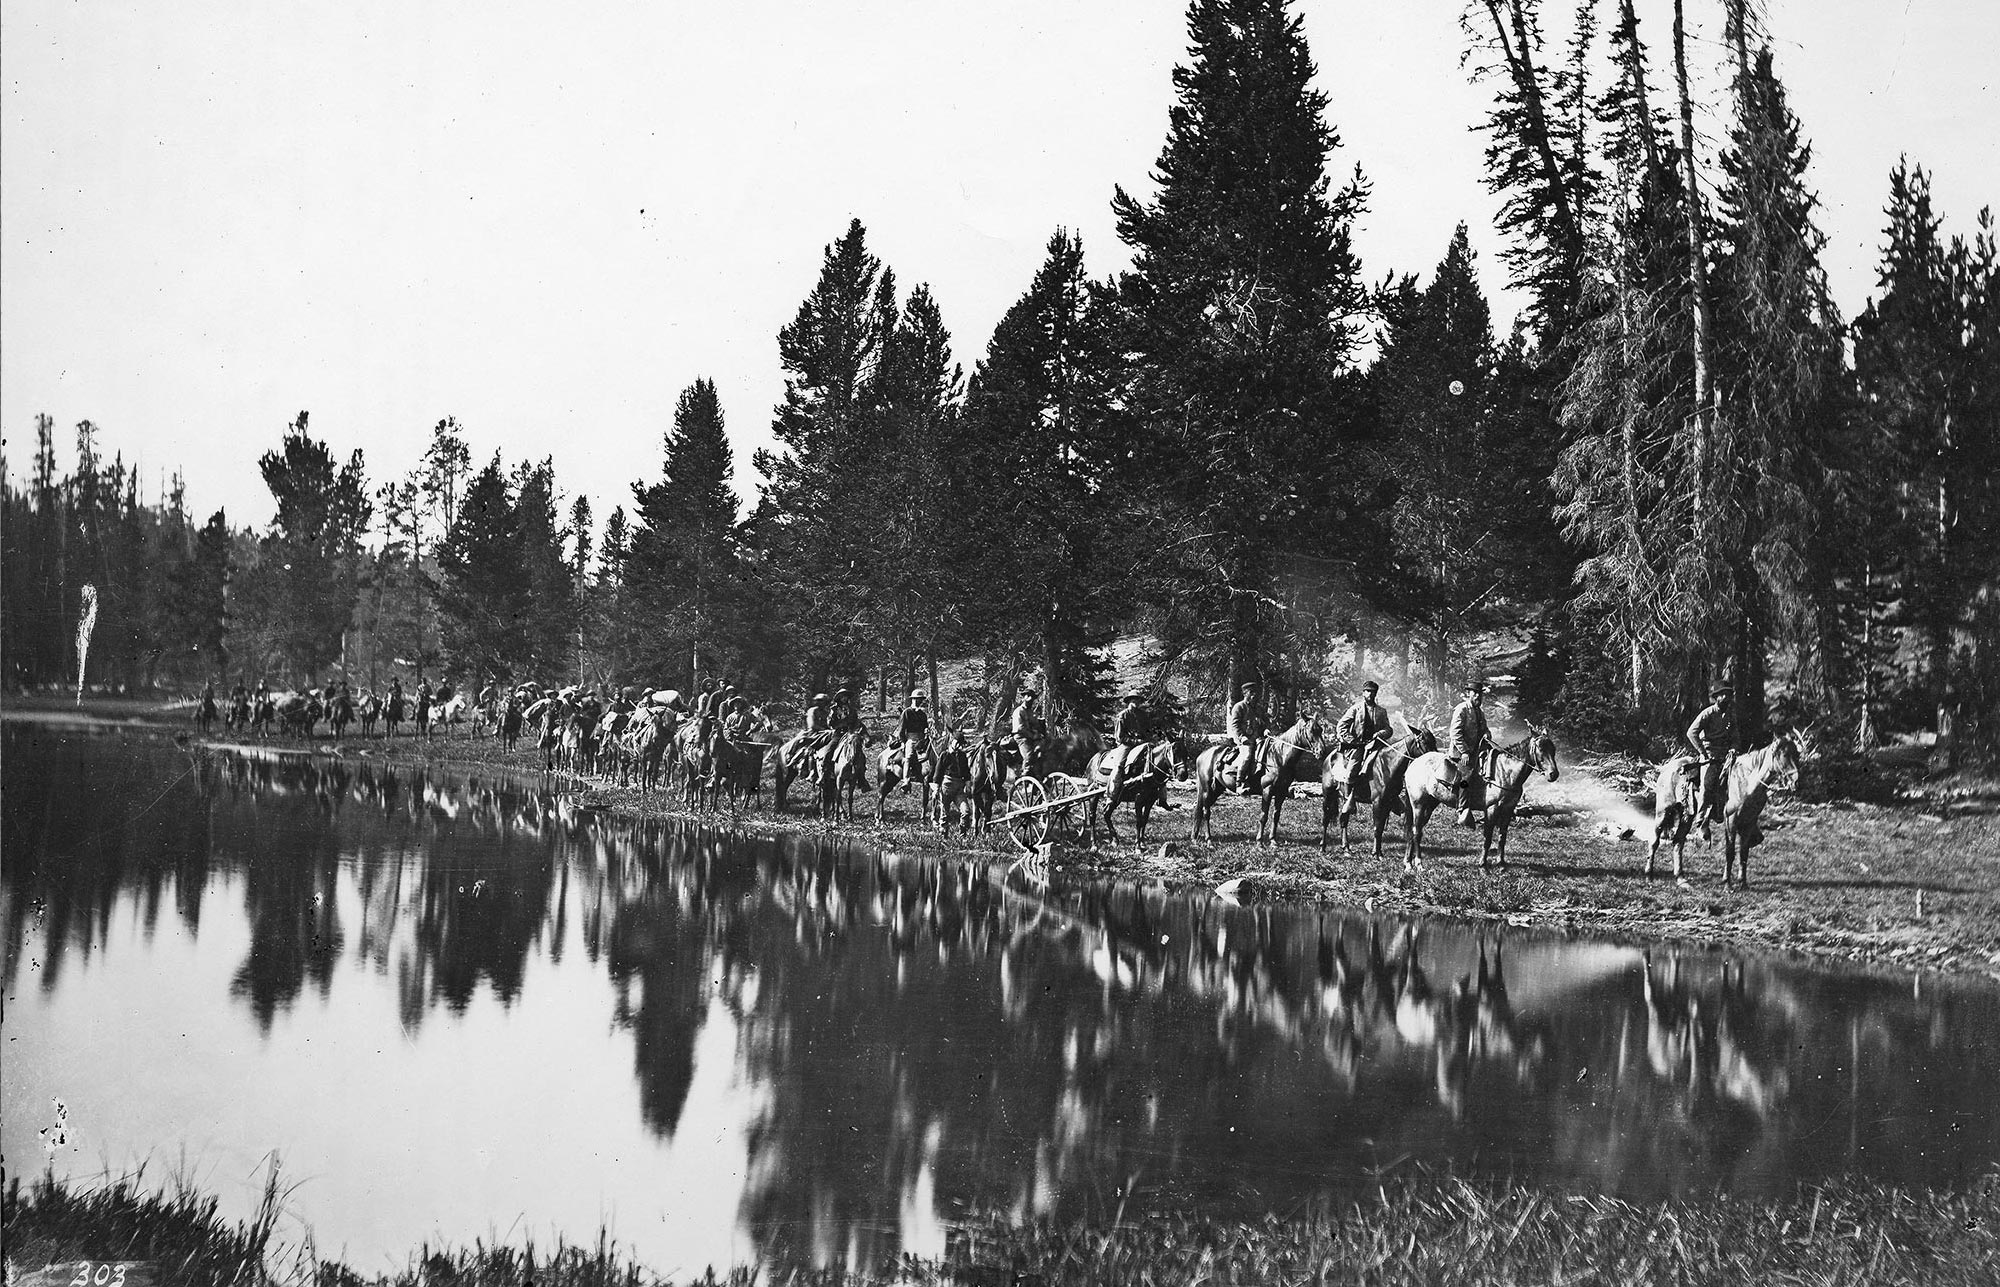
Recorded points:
(801, 751)
(1469, 740)
(1360, 733)
(1132, 726)
(1713, 737)
(1247, 730)
(912, 728)
(846, 719)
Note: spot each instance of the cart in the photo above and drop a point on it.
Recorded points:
(1038, 810)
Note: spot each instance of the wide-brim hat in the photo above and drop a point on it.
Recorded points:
(1722, 690)
(1370, 686)
(1474, 686)
(916, 695)
(821, 697)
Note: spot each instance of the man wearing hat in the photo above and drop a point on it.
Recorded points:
(1130, 726)
(1027, 728)
(913, 727)
(1469, 738)
(1246, 729)
(1360, 728)
(1713, 737)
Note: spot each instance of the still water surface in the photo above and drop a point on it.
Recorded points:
(459, 1006)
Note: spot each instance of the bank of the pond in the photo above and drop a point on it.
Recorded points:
(1912, 884)
(1418, 1230)
(1915, 885)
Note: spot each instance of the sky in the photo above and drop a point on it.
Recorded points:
(546, 220)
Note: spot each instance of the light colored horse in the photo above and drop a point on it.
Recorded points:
(1506, 777)
(1749, 782)
(1746, 784)
(1427, 784)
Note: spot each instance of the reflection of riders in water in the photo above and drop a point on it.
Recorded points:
(1693, 1043)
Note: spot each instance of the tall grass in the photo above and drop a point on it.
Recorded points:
(1413, 1230)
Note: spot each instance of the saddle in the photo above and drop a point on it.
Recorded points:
(1128, 761)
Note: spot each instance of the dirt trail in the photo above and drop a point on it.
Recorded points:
(1913, 885)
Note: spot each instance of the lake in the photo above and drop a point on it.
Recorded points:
(457, 1005)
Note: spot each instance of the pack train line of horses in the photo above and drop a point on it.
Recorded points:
(656, 743)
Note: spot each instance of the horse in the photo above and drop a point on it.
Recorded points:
(841, 771)
(735, 768)
(1382, 785)
(983, 788)
(1278, 765)
(1750, 779)
(511, 720)
(298, 712)
(392, 713)
(1156, 763)
(1507, 775)
(205, 712)
(1427, 784)
(647, 740)
(368, 710)
(891, 771)
(340, 713)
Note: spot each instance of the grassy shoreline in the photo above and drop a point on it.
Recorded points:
(1911, 885)
(1413, 1229)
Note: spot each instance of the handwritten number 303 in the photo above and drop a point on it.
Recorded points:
(102, 1275)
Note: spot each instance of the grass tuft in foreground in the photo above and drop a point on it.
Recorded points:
(1414, 1230)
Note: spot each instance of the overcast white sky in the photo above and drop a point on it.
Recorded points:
(547, 219)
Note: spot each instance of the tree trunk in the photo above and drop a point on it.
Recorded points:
(932, 668)
(1704, 377)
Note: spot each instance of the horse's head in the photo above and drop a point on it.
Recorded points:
(1542, 752)
(1785, 761)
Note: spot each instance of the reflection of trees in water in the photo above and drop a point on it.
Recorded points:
(911, 1029)
(86, 820)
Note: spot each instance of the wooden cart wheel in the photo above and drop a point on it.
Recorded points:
(1026, 818)
(1066, 820)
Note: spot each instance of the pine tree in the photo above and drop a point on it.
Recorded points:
(816, 529)
(1780, 371)
(1237, 315)
(1030, 516)
(302, 591)
(482, 590)
(680, 568)
(1924, 356)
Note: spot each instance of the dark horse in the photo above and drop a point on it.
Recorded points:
(1281, 762)
(1141, 781)
(841, 776)
(1381, 785)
